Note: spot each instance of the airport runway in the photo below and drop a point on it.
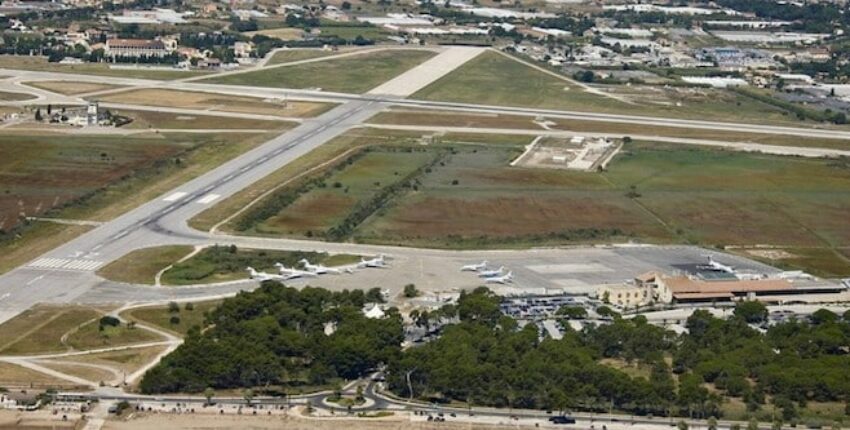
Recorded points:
(66, 274)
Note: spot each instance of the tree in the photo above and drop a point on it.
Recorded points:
(189, 306)
(682, 425)
(823, 316)
(38, 114)
(248, 395)
(174, 320)
(410, 291)
(208, 394)
(753, 424)
(173, 307)
(712, 423)
(751, 311)
(572, 312)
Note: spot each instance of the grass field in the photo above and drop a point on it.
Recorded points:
(355, 74)
(124, 360)
(164, 120)
(160, 316)
(286, 33)
(290, 55)
(94, 177)
(7, 96)
(40, 64)
(351, 32)
(71, 87)
(216, 102)
(142, 265)
(495, 79)
(40, 329)
(219, 264)
(12, 375)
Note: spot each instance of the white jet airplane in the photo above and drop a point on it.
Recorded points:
(717, 267)
(263, 276)
(506, 279)
(291, 273)
(491, 273)
(474, 267)
(318, 269)
(376, 262)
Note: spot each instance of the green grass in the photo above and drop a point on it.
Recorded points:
(142, 265)
(355, 74)
(40, 64)
(161, 120)
(495, 79)
(221, 263)
(160, 316)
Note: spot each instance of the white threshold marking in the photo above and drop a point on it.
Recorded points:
(174, 197)
(66, 264)
(209, 198)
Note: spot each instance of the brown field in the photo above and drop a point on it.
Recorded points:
(23, 62)
(497, 217)
(210, 101)
(453, 119)
(71, 88)
(7, 96)
(40, 173)
(89, 336)
(280, 33)
(79, 370)
(165, 120)
(160, 316)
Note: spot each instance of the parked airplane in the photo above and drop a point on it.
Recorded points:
(717, 267)
(491, 273)
(291, 273)
(474, 267)
(508, 278)
(376, 262)
(263, 276)
(318, 269)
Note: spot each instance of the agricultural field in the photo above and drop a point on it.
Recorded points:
(94, 178)
(496, 79)
(71, 88)
(216, 102)
(40, 64)
(651, 192)
(356, 74)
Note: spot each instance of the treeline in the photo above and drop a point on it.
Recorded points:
(364, 209)
(275, 337)
(800, 112)
(486, 360)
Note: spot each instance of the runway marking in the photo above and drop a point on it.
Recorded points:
(37, 278)
(174, 197)
(209, 198)
(80, 265)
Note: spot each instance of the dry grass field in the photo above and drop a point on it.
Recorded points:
(40, 64)
(12, 375)
(71, 88)
(216, 102)
(7, 96)
(40, 329)
(160, 316)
